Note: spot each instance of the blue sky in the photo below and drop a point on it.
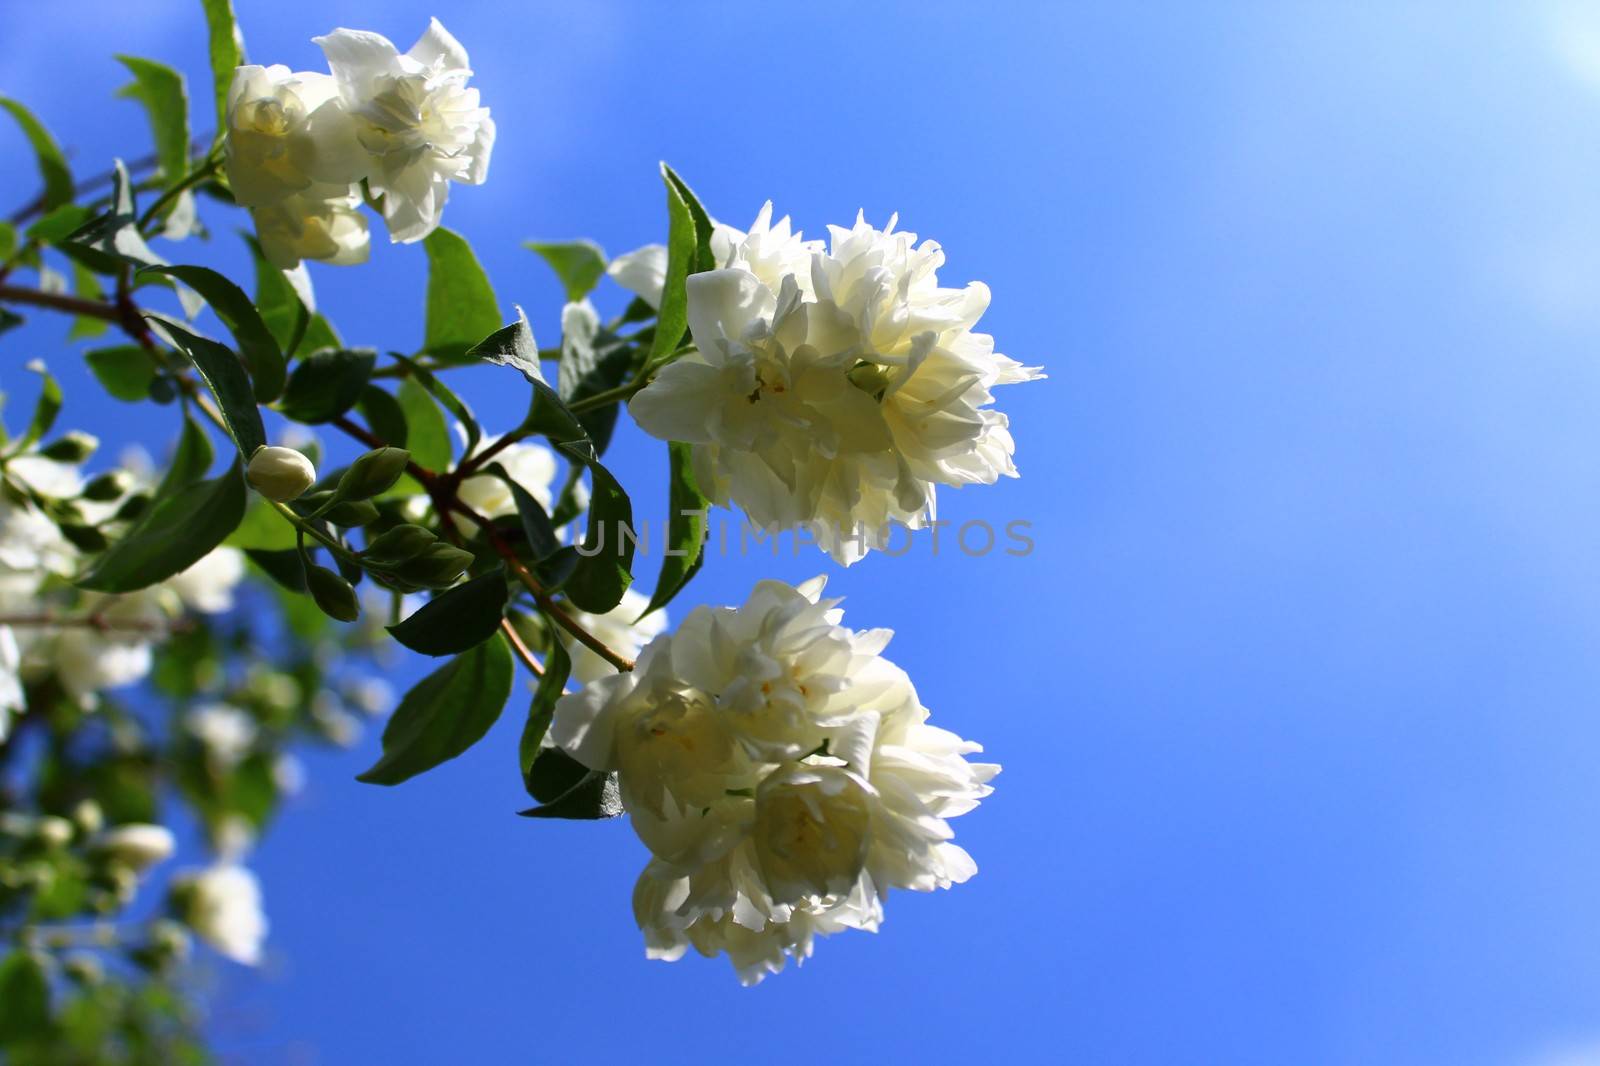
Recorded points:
(1296, 695)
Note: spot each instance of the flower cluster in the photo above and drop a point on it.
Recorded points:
(831, 388)
(781, 772)
(84, 642)
(300, 144)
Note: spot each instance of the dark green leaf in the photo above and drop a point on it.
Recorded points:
(174, 534)
(445, 714)
(579, 264)
(59, 222)
(326, 384)
(190, 461)
(672, 318)
(686, 528)
(52, 164)
(226, 47)
(602, 577)
(225, 376)
(257, 346)
(458, 618)
(384, 416)
(511, 346)
(568, 789)
(535, 523)
(24, 997)
(333, 594)
(447, 399)
(557, 666)
(461, 304)
(287, 566)
(45, 409)
(166, 103)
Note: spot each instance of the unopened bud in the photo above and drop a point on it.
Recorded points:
(108, 486)
(398, 545)
(352, 513)
(137, 846)
(333, 594)
(280, 474)
(373, 473)
(438, 567)
(74, 447)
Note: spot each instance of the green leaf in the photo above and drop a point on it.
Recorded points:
(445, 713)
(282, 310)
(174, 534)
(579, 264)
(226, 50)
(166, 103)
(52, 164)
(59, 222)
(461, 304)
(568, 789)
(285, 566)
(191, 459)
(86, 286)
(447, 399)
(704, 227)
(557, 667)
(8, 240)
(326, 384)
(601, 578)
(24, 998)
(511, 346)
(45, 410)
(458, 618)
(686, 528)
(225, 376)
(320, 334)
(672, 318)
(384, 416)
(263, 529)
(536, 524)
(427, 435)
(257, 346)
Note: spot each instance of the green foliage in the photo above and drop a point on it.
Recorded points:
(165, 97)
(326, 384)
(445, 713)
(333, 594)
(684, 249)
(683, 552)
(225, 376)
(579, 264)
(177, 532)
(428, 438)
(557, 667)
(53, 169)
(461, 303)
(257, 346)
(45, 410)
(565, 788)
(458, 618)
(226, 47)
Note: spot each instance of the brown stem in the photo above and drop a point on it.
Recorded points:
(47, 620)
(57, 301)
(515, 640)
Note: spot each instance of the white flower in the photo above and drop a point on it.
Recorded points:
(87, 659)
(227, 733)
(279, 473)
(620, 629)
(208, 585)
(770, 252)
(782, 773)
(642, 272)
(324, 223)
(137, 846)
(834, 390)
(419, 124)
(11, 695)
(222, 904)
(287, 131)
(532, 466)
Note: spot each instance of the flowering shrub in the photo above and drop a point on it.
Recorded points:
(169, 634)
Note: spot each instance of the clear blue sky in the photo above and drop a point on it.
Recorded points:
(1297, 697)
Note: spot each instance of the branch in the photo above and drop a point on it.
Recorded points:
(96, 621)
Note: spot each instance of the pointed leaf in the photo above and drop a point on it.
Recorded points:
(175, 533)
(557, 667)
(58, 188)
(226, 46)
(445, 713)
(461, 304)
(225, 376)
(326, 384)
(579, 264)
(256, 343)
(166, 103)
(686, 528)
(458, 618)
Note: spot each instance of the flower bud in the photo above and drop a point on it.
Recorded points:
(373, 473)
(108, 486)
(438, 567)
(352, 513)
(137, 846)
(280, 474)
(74, 447)
(333, 594)
(398, 545)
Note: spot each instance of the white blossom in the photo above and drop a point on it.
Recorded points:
(533, 466)
(137, 845)
(418, 123)
(782, 774)
(11, 695)
(207, 586)
(834, 390)
(323, 222)
(287, 132)
(226, 732)
(222, 904)
(642, 272)
(90, 658)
